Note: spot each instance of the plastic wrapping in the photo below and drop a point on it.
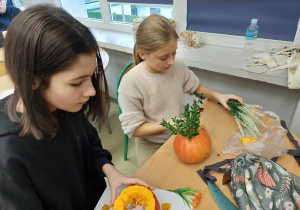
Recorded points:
(270, 142)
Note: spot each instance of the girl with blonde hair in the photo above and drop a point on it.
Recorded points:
(154, 89)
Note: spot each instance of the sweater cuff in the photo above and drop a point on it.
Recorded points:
(100, 163)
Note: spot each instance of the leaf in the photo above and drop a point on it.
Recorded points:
(264, 177)
(190, 125)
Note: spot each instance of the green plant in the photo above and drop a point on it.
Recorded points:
(189, 125)
(189, 196)
(246, 116)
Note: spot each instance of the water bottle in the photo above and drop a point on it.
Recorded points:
(251, 36)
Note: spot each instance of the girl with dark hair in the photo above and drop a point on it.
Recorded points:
(50, 155)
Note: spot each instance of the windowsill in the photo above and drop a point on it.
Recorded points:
(220, 59)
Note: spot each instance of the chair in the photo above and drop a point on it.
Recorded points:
(2, 68)
(125, 70)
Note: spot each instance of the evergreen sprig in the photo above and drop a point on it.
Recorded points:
(246, 116)
(190, 124)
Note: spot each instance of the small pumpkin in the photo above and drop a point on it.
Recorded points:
(194, 150)
(136, 195)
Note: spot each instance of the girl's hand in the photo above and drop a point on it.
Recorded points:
(224, 98)
(139, 208)
(116, 179)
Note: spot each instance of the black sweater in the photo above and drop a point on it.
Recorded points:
(64, 172)
(7, 17)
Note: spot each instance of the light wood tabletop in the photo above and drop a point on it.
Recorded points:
(165, 171)
(6, 83)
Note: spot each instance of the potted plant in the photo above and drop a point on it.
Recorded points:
(192, 144)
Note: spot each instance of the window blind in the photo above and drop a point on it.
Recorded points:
(277, 19)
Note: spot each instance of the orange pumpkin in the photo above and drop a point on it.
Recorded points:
(194, 150)
(136, 195)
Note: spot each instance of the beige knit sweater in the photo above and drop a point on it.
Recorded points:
(149, 97)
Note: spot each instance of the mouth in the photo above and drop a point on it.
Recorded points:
(84, 102)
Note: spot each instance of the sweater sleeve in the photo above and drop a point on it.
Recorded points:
(190, 80)
(100, 156)
(131, 103)
(16, 188)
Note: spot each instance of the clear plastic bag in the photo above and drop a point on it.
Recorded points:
(270, 142)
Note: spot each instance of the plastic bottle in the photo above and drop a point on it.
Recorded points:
(251, 36)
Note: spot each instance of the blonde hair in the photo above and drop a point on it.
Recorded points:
(152, 34)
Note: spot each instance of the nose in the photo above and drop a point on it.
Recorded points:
(171, 61)
(90, 90)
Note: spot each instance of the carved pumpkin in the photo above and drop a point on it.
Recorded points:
(136, 195)
(194, 150)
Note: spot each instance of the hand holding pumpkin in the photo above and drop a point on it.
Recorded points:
(139, 208)
(116, 179)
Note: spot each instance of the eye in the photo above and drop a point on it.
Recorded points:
(164, 58)
(76, 85)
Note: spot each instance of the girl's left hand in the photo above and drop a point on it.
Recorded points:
(116, 179)
(224, 98)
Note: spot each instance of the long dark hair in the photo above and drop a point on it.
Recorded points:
(41, 41)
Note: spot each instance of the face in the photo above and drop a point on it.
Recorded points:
(160, 60)
(2, 6)
(70, 89)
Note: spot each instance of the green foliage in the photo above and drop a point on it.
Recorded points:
(128, 18)
(246, 116)
(189, 125)
(185, 193)
(95, 15)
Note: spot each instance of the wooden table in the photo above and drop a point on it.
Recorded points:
(165, 171)
(6, 83)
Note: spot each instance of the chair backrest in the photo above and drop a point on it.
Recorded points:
(2, 68)
(125, 70)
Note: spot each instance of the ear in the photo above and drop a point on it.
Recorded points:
(142, 54)
(37, 83)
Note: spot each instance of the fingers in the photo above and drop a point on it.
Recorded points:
(113, 195)
(136, 181)
(138, 207)
(237, 98)
(226, 106)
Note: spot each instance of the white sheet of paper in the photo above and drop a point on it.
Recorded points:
(163, 196)
(5, 93)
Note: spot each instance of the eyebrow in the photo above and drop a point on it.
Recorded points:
(160, 56)
(80, 77)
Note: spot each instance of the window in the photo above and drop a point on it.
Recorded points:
(116, 14)
(93, 9)
(127, 12)
(83, 8)
(17, 3)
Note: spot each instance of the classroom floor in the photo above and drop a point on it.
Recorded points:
(115, 143)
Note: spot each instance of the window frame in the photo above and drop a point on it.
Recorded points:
(120, 27)
(180, 16)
